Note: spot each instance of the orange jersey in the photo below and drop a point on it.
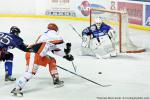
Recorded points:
(48, 40)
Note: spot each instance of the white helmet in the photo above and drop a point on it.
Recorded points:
(98, 20)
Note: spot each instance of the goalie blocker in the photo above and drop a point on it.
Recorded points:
(98, 40)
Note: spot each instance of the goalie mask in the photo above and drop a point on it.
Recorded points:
(14, 30)
(98, 21)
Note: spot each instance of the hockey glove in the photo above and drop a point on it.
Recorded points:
(69, 57)
(68, 48)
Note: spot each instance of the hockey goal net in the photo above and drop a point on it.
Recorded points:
(119, 22)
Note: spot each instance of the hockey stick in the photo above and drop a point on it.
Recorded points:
(75, 31)
(75, 68)
(83, 77)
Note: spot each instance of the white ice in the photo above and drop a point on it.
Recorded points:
(128, 73)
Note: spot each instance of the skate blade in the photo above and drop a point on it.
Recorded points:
(59, 86)
(18, 94)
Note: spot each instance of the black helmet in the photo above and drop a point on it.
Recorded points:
(14, 30)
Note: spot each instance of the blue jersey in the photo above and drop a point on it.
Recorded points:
(10, 41)
(96, 30)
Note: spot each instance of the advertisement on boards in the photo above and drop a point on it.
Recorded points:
(85, 6)
(60, 8)
(147, 15)
(135, 12)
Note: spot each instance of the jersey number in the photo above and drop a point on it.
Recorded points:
(5, 39)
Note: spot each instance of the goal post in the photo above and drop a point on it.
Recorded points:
(118, 20)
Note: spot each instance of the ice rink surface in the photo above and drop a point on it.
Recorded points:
(127, 73)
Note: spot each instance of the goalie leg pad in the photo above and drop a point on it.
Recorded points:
(86, 52)
(85, 41)
(102, 48)
(108, 47)
(97, 47)
(94, 44)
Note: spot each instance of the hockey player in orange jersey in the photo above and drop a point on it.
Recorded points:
(50, 43)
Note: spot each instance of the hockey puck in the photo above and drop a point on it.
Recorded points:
(99, 72)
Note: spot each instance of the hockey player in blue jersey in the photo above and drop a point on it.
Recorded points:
(9, 41)
(12, 40)
(98, 40)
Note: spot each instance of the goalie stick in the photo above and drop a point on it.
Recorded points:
(75, 31)
(83, 77)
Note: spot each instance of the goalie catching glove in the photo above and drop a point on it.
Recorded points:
(67, 50)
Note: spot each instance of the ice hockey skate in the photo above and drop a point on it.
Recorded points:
(9, 78)
(58, 83)
(17, 92)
